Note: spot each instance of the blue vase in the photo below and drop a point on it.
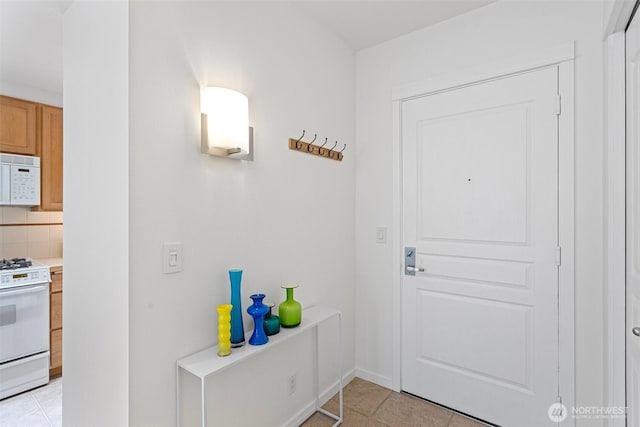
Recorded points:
(237, 328)
(257, 311)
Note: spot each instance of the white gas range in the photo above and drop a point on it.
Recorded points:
(24, 325)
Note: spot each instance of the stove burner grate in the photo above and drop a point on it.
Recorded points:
(15, 263)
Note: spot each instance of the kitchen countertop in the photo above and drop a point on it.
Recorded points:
(51, 262)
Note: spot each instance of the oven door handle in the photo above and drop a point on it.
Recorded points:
(22, 291)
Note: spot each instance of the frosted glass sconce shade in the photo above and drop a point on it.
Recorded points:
(225, 124)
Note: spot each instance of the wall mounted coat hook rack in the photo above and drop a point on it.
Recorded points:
(316, 150)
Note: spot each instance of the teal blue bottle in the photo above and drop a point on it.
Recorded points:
(237, 328)
(271, 321)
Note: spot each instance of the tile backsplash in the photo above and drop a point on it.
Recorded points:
(24, 233)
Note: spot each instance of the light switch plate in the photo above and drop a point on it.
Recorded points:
(171, 257)
(381, 234)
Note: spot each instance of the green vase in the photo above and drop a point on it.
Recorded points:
(290, 310)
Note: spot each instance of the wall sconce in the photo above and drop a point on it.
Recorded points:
(224, 122)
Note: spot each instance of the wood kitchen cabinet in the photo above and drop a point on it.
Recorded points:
(55, 328)
(35, 129)
(49, 149)
(18, 126)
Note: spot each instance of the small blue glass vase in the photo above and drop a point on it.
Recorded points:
(271, 321)
(237, 328)
(257, 310)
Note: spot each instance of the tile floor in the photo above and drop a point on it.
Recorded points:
(365, 405)
(369, 405)
(40, 407)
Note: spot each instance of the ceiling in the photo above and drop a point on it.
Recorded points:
(37, 60)
(365, 23)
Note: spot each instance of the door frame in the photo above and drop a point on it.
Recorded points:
(614, 34)
(563, 57)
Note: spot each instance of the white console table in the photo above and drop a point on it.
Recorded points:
(207, 362)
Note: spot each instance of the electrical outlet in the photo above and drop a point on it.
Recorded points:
(292, 384)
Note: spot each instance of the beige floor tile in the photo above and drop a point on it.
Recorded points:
(351, 417)
(460, 421)
(375, 423)
(364, 397)
(318, 420)
(401, 410)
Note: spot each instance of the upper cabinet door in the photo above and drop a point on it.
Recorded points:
(50, 151)
(17, 126)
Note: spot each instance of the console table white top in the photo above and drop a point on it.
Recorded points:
(207, 361)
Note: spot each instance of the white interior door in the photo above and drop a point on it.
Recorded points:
(633, 222)
(480, 205)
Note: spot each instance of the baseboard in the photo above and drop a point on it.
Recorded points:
(301, 416)
(333, 389)
(375, 378)
(325, 395)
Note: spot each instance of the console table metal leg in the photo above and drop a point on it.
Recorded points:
(339, 418)
(316, 363)
(203, 403)
(178, 402)
(340, 364)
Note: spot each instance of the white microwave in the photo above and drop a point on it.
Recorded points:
(19, 180)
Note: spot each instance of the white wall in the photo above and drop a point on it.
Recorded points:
(287, 217)
(31, 50)
(492, 33)
(96, 206)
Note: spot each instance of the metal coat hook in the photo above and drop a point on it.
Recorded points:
(298, 145)
(310, 146)
(320, 150)
(331, 149)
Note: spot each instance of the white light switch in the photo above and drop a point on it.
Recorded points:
(381, 234)
(171, 257)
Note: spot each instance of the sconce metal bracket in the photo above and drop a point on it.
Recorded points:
(227, 153)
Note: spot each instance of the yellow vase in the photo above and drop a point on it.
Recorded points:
(224, 329)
